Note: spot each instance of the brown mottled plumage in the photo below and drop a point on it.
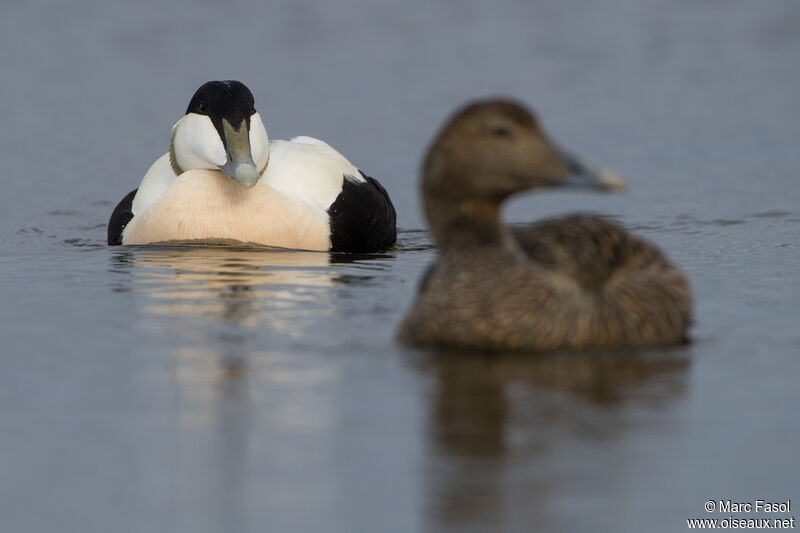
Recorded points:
(578, 282)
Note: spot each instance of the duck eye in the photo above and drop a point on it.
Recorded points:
(500, 131)
(202, 106)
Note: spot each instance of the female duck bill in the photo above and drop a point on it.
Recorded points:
(583, 175)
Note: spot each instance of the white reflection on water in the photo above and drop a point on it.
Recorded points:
(245, 398)
(241, 286)
(236, 314)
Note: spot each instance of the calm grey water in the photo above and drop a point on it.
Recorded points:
(146, 389)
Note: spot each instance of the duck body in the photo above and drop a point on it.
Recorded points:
(572, 283)
(217, 184)
(569, 283)
(207, 205)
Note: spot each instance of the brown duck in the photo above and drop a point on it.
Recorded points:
(577, 283)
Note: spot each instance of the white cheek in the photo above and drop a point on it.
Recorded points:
(259, 142)
(197, 143)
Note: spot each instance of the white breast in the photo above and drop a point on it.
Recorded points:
(207, 204)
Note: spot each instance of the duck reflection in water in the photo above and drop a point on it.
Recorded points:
(221, 296)
(237, 299)
(502, 426)
(236, 315)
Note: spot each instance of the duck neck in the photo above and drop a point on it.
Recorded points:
(469, 225)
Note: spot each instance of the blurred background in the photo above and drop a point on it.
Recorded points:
(225, 390)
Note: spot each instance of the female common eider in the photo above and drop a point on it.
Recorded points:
(574, 283)
(223, 180)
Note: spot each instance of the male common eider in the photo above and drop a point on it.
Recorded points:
(223, 180)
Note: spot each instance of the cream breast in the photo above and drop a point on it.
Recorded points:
(207, 204)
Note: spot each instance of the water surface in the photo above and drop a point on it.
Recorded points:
(198, 389)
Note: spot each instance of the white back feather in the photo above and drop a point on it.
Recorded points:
(155, 182)
(308, 168)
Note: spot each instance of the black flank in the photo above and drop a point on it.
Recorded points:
(119, 219)
(362, 217)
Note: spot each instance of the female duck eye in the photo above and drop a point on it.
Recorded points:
(500, 131)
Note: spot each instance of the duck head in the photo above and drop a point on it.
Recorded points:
(492, 149)
(221, 130)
